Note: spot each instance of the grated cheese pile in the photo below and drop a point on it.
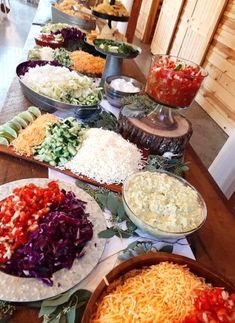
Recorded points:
(33, 135)
(162, 293)
(106, 157)
(86, 63)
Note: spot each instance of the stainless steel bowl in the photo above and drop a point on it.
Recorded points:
(115, 97)
(85, 112)
(45, 103)
(60, 16)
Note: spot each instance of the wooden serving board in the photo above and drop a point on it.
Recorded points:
(112, 187)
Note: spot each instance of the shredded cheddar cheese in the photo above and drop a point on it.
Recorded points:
(162, 293)
(86, 63)
(33, 135)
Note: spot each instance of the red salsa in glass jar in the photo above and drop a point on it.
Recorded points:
(173, 81)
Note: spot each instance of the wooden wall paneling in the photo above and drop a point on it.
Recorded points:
(215, 109)
(133, 20)
(200, 30)
(217, 95)
(167, 22)
(143, 18)
(182, 26)
(225, 64)
(151, 22)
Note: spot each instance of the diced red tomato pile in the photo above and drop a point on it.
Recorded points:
(20, 212)
(48, 38)
(213, 305)
(173, 83)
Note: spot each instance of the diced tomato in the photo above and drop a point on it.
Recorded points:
(172, 83)
(20, 212)
(213, 305)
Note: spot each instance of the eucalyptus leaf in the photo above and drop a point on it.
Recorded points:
(71, 314)
(136, 248)
(108, 233)
(63, 298)
(167, 248)
(123, 234)
(112, 202)
(121, 212)
(131, 227)
(46, 310)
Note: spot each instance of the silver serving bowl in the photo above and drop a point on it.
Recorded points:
(45, 103)
(60, 16)
(115, 97)
(85, 112)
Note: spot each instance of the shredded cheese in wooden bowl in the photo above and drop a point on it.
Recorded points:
(162, 293)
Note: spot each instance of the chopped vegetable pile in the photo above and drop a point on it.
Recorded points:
(213, 305)
(59, 239)
(61, 143)
(61, 84)
(65, 32)
(173, 82)
(20, 212)
(113, 46)
(60, 55)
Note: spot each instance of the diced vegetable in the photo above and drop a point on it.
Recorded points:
(61, 143)
(173, 82)
(113, 46)
(58, 240)
(20, 212)
(59, 83)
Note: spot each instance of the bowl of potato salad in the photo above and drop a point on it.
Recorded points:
(163, 204)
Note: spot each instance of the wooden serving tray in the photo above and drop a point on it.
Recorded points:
(112, 187)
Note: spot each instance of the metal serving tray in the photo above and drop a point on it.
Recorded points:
(39, 100)
(60, 16)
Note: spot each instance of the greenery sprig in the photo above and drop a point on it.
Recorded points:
(137, 248)
(103, 120)
(137, 106)
(176, 166)
(113, 202)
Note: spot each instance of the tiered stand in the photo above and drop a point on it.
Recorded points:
(114, 61)
(163, 129)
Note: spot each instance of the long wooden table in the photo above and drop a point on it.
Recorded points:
(213, 245)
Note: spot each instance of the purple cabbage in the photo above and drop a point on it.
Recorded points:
(71, 35)
(24, 67)
(58, 240)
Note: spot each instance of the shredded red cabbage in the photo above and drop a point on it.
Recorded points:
(58, 240)
(71, 34)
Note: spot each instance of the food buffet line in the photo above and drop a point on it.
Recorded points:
(113, 214)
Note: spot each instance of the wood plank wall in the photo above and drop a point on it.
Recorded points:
(205, 33)
(143, 18)
(217, 95)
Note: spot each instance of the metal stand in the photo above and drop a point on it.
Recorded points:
(113, 66)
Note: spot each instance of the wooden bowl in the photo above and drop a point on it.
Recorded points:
(148, 260)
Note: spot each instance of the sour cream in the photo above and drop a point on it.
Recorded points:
(124, 86)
